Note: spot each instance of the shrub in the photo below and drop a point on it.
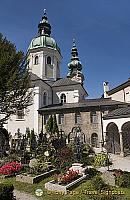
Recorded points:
(64, 158)
(6, 191)
(33, 162)
(92, 172)
(98, 183)
(38, 166)
(10, 168)
(123, 180)
(2, 162)
(101, 160)
(12, 157)
(87, 149)
(87, 160)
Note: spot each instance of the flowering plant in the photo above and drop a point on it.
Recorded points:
(68, 177)
(10, 168)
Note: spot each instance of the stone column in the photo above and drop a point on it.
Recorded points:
(121, 144)
(105, 133)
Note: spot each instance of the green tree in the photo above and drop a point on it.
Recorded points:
(28, 132)
(49, 125)
(55, 126)
(14, 80)
(32, 140)
(52, 126)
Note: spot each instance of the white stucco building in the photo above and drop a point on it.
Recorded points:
(116, 124)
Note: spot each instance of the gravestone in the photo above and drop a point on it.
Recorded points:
(108, 178)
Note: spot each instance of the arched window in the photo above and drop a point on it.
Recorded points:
(77, 118)
(94, 140)
(36, 60)
(63, 98)
(44, 98)
(49, 60)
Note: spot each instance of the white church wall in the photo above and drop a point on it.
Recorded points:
(14, 124)
(42, 69)
(45, 88)
(122, 95)
(30, 119)
(71, 96)
(36, 107)
(119, 122)
(36, 68)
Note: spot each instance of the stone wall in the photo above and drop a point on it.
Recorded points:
(86, 126)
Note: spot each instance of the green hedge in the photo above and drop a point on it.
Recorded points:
(123, 180)
(6, 191)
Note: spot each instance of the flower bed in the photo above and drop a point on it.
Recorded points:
(66, 178)
(10, 169)
(55, 186)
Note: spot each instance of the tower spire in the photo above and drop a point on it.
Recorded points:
(44, 11)
(74, 45)
(75, 65)
(44, 28)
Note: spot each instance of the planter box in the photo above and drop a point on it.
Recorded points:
(35, 179)
(52, 186)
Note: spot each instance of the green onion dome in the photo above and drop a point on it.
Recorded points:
(44, 39)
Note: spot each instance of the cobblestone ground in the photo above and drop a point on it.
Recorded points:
(23, 196)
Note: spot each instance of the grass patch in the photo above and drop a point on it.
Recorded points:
(81, 192)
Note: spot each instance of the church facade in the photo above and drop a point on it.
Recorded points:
(65, 97)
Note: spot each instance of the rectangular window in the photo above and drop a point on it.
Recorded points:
(94, 118)
(46, 117)
(20, 114)
(77, 118)
(61, 119)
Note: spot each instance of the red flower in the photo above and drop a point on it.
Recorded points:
(71, 175)
(10, 168)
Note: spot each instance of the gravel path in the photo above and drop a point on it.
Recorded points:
(122, 163)
(23, 196)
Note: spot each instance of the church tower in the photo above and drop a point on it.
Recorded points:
(75, 66)
(44, 55)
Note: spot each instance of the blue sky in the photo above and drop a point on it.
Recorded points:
(101, 29)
